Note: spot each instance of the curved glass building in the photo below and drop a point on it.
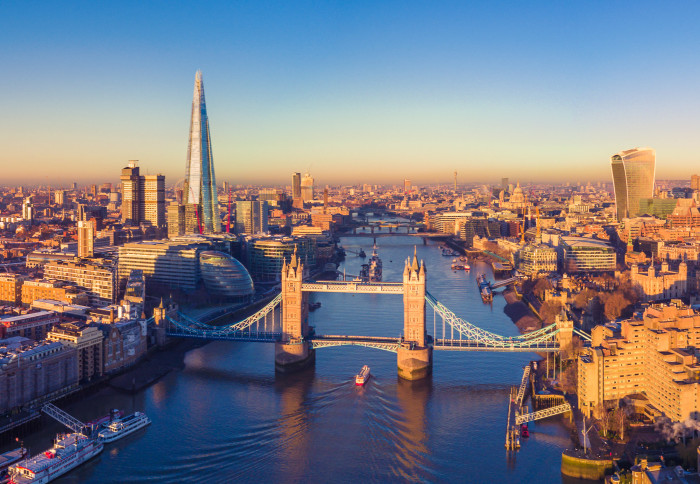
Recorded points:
(225, 277)
(633, 178)
(267, 255)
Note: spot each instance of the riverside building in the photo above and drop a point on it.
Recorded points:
(653, 355)
(35, 373)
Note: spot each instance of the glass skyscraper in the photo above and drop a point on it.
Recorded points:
(200, 182)
(633, 178)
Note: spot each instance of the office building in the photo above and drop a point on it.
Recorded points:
(633, 174)
(251, 217)
(296, 186)
(695, 182)
(86, 239)
(265, 256)
(143, 197)
(200, 182)
(176, 220)
(165, 264)
(583, 254)
(28, 209)
(307, 188)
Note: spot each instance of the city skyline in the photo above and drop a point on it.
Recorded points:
(350, 93)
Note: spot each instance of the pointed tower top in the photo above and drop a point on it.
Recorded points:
(414, 266)
(293, 261)
(161, 304)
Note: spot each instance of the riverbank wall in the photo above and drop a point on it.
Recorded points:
(582, 468)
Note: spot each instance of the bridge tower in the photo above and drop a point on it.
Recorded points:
(566, 332)
(160, 315)
(415, 355)
(294, 353)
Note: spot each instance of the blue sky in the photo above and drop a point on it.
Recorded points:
(354, 91)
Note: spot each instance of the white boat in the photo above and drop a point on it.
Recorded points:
(69, 451)
(362, 377)
(121, 427)
(9, 458)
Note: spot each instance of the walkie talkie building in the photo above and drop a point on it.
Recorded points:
(200, 182)
(633, 174)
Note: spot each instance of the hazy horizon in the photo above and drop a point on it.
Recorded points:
(353, 93)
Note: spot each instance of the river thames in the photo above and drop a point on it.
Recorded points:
(228, 418)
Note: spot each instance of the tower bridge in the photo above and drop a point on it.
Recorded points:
(284, 321)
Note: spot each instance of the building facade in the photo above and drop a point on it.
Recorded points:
(633, 173)
(11, 289)
(653, 355)
(660, 285)
(36, 373)
(143, 197)
(200, 181)
(251, 217)
(582, 254)
(87, 340)
(98, 280)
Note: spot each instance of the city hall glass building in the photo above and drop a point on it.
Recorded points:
(200, 182)
(633, 174)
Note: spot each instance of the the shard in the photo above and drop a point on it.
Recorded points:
(200, 182)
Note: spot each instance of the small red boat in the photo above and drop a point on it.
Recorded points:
(524, 431)
(362, 377)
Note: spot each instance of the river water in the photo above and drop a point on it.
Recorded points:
(228, 417)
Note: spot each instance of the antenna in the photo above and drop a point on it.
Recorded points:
(585, 435)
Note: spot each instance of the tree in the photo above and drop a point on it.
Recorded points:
(549, 311)
(615, 304)
(569, 379)
(541, 286)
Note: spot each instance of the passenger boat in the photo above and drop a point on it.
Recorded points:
(524, 431)
(68, 452)
(362, 377)
(9, 458)
(362, 254)
(98, 423)
(121, 427)
(467, 267)
(314, 306)
(457, 267)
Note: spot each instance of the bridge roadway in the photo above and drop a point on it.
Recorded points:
(354, 286)
(498, 346)
(430, 235)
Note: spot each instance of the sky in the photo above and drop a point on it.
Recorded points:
(353, 92)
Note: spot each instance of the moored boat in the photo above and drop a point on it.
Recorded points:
(362, 377)
(69, 451)
(121, 427)
(9, 458)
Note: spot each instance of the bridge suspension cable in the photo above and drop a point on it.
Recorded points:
(475, 333)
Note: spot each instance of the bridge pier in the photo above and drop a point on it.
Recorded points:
(414, 364)
(293, 356)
